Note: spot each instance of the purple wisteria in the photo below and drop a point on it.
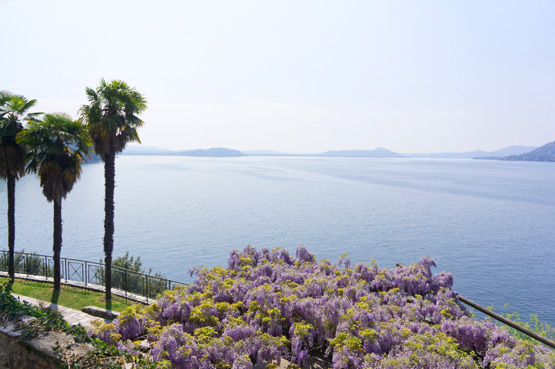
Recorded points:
(267, 305)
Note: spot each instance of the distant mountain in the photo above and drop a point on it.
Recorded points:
(153, 151)
(214, 152)
(380, 152)
(508, 153)
(544, 153)
(511, 150)
(146, 150)
(225, 152)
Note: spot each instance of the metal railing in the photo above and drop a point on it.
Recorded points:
(89, 273)
(508, 322)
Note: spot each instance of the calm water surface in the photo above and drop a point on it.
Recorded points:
(492, 224)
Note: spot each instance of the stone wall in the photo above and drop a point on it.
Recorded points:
(37, 352)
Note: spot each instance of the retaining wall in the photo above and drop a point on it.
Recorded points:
(37, 352)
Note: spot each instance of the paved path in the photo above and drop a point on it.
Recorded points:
(72, 316)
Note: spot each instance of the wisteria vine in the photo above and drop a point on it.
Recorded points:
(267, 305)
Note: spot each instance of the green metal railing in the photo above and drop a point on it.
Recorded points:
(89, 273)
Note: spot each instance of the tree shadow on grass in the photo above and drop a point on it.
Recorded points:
(55, 296)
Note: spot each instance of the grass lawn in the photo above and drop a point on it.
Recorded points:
(71, 297)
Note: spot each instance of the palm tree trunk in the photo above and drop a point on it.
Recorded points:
(57, 247)
(11, 227)
(110, 180)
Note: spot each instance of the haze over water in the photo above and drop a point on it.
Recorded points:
(490, 223)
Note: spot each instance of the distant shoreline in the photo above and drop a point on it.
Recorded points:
(507, 153)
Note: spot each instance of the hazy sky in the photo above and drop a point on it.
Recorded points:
(298, 76)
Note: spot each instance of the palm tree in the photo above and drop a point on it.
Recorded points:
(13, 112)
(57, 146)
(112, 121)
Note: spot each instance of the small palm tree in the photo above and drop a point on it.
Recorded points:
(112, 121)
(13, 112)
(56, 146)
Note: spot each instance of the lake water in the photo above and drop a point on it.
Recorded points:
(490, 223)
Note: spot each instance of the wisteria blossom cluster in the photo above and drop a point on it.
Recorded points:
(267, 305)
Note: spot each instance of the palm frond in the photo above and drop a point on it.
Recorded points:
(28, 104)
(4, 97)
(111, 115)
(14, 111)
(91, 94)
(56, 145)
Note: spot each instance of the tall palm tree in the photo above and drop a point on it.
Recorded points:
(13, 112)
(56, 146)
(112, 121)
